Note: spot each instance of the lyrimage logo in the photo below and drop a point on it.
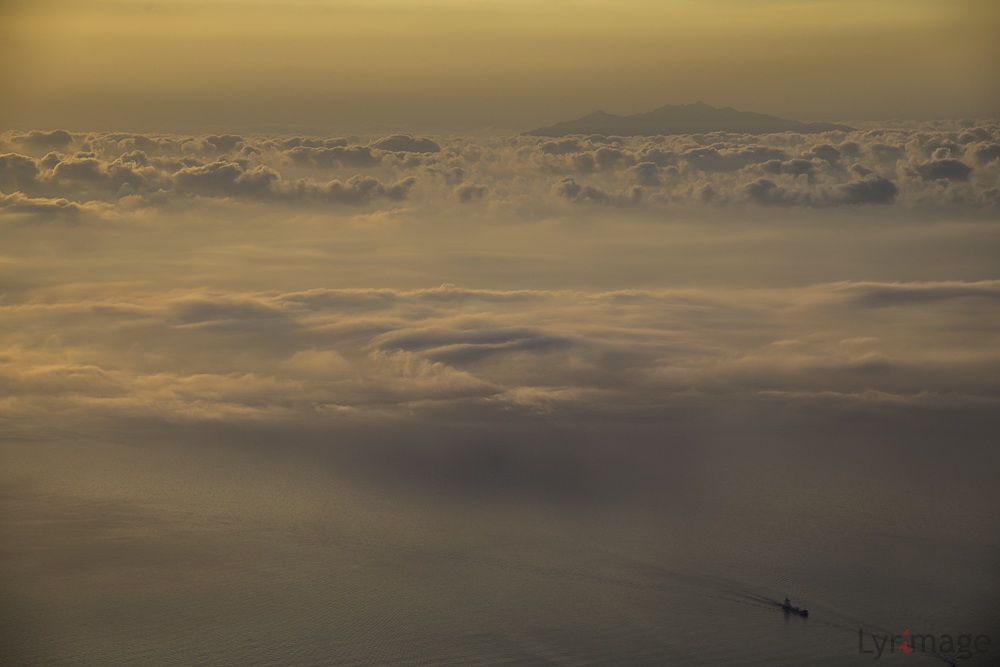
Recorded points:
(945, 646)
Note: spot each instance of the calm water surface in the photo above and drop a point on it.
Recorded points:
(190, 559)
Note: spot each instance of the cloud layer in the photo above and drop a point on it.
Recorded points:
(319, 353)
(910, 165)
(477, 285)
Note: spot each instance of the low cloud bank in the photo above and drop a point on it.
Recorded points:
(319, 354)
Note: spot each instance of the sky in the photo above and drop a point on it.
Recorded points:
(308, 355)
(486, 65)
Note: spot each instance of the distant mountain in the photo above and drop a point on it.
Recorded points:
(697, 118)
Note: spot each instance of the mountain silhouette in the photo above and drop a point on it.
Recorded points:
(697, 118)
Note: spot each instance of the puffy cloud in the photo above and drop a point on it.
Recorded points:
(823, 152)
(796, 167)
(986, 153)
(850, 148)
(952, 170)
(229, 179)
(610, 158)
(569, 189)
(868, 190)
(44, 140)
(730, 158)
(132, 142)
(225, 143)
(336, 156)
(766, 192)
(357, 190)
(309, 142)
(40, 208)
(469, 191)
(583, 162)
(705, 193)
(657, 156)
(18, 173)
(239, 179)
(562, 146)
(886, 152)
(403, 143)
(646, 173)
(650, 172)
(211, 145)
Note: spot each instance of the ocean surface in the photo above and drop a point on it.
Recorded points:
(141, 554)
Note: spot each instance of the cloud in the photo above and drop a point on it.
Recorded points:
(41, 208)
(645, 173)
(886, 152)
(337, 156)
(309, 142)
(868, 190)
(657, 156)
(823, 152)
(403, 143)
(610, 158)
(225, 143)
(230, 179)
(608, 335)
(18, 173)
(131, 142)
(986, 153)
(721, 157)
(199, 310)
(850, 148)
(569, 189)
(466, 347)
(469, 192)
(44, 140)
(238, 356)
(765, 191)
(705, 193)
(561, 146)
(459, 354)
(952, 170)
(796, 167)
(886, 167)
(357, 190)
(347, 300)
(436, 338)
(883, 296)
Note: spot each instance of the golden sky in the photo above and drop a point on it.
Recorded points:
(175, 65)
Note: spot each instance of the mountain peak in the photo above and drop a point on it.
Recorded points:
(696, 118)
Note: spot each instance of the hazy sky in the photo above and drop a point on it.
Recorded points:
(308, 356)
(174, 65)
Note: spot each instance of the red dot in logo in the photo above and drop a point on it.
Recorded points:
(903, 646)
